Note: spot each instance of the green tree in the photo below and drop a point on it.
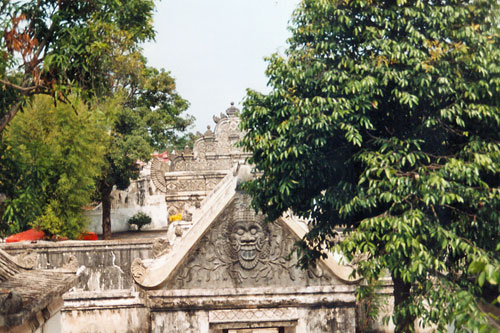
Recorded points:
(50, 159)
(144, 115)
(53, 46)
(383, 118)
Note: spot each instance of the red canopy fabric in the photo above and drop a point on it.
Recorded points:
(28, 235)
(33, 234)
(88, 236)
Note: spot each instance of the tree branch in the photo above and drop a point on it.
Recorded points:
(24, 90)
(9, 115)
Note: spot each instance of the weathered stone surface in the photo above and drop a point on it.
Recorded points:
(29, 296)
(160, 269)
(143, 195)
(111, 311)
(180, 321)
(241, 250)
(192, 174)
(27, 259)
(307, 309)
(107, 263)
(161, 246)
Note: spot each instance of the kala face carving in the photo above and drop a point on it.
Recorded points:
(247, 240)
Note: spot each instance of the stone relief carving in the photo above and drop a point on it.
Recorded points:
(242, 250)
(245, 315)
(175, 207)
(138, 269)
(220, 143)
(192, 184)
(27, 259)
(71, 263)
(158, 169)
(161, 246)
(248, 242)
(180, 163)
(214, 153)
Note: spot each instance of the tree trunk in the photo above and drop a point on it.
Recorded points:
(404, 323)
(106, 212)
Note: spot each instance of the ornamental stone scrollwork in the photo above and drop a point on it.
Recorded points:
(158, 169)
(138, 270)
(213, 150)
(245, 315)
(198, 171)
(175, 207)
(161, 246)
(242, 250)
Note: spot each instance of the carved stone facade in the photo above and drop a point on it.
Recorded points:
(192, 174)
(231, 269)
(241, 250)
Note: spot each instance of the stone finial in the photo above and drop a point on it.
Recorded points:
(216, 119)
(178, 231)
(198, 134)
(209, 132)
(187, 150)
(232, 110)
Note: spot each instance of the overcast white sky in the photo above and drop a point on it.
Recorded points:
(215, 49)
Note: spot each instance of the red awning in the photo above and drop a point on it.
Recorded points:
(28, 235)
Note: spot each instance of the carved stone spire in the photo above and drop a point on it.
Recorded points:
(209, 132)
(232, 111)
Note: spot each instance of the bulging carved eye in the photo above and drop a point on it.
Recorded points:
(240, 231)
(253, 231)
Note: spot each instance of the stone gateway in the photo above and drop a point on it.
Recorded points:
(219, 268)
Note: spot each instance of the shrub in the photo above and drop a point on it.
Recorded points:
(49, 223)
(140, 219)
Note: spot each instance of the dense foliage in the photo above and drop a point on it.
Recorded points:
(50, 159)
(383, 118)
(145, 114)
(139, 220)
(53, 46)
(87, 49)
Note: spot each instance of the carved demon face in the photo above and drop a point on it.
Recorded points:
(247, 239)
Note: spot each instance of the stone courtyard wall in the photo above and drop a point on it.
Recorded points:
(107, 298)
(107, 263)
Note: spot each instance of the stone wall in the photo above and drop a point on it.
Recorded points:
(108, 311)
(107, 263)
(141, 196)
(298, 310)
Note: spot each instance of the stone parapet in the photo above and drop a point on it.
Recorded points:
(107, 263)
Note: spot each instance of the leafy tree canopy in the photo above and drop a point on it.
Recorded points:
(145, 114)
(50, 157)
(50, 46)
(383, 118)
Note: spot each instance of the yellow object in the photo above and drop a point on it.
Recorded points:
(176, 217)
